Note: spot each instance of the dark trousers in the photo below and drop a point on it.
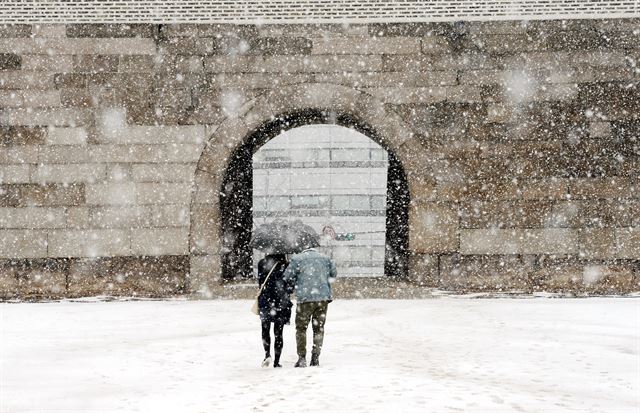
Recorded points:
(316, 312)
(266, 338)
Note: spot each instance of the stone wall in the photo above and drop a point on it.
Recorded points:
(519, 142)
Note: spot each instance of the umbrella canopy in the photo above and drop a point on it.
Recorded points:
(281, 237)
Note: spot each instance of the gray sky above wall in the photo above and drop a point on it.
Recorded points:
(306, 11)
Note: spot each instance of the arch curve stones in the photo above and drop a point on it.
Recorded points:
(205, 243)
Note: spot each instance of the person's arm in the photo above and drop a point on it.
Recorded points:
(261, 274)
(290, 275)
(333, 273)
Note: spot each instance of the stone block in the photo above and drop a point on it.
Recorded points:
(585, 188)
(110, 30)
(519, 241)
(112, 193)
(163, 172)
(204, 274)
(22, 79)
(426, 95)
(433, 228)
(273, 46)
(43, 283)
(14, 174)
(29, 99)
(206, 188)
(15, 30)
(23, 243)
(51, 194)
(173, 215)
(119, 217)
(66, 136)
(45, 173)
(424, 270)
(119, 172)
(8, 286)
(553, 188)
(46, 63)
(484, 273)
(9, 195)
(45, 116)
(49, 30)
(10, 61)
(136, 64)
(160, 241)
(79, 46)
(597, 243)
(64, 154)
(389, 79)
(18, 155)
(128, 276)
(78, 217)
(32, 218)
(365, 45)
(89, 243)
(205, 230)
(511, 214)
(78, 98)
(156, 135)
(169, 153)
(163, 193)
(96, 63)
(628, 243)
(21, 135)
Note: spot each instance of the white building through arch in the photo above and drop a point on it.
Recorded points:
(334, 179)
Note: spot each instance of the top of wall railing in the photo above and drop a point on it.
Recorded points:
(307, 11)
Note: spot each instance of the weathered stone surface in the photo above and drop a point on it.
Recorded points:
(519, 241)
(134, 46)
(434, 228)
(23, 243)
(20, 135)
(15, 174)
(161, 241)
(32, 218)
(51, 194)
(111, 30)
(628, 242)
(518, 141)
(128, 276)
(89, 243)
(10, 61)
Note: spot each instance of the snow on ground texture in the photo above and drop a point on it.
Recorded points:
(446, 354)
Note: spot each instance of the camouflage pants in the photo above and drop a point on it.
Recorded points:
(316, 312)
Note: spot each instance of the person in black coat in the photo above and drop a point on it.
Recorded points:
(274, 304)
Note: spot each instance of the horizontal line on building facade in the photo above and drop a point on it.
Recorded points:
(318, 213)
(320, 164)
(306, 11)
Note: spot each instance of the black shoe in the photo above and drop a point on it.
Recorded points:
(315, 360)
(302, 362)
(276, 365)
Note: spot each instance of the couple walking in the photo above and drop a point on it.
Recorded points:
(309, 274)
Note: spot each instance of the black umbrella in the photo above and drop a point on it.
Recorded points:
(281, 237)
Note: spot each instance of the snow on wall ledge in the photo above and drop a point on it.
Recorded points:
(306, 11)
(519, 143)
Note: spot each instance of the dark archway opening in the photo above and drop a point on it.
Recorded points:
(236, 195)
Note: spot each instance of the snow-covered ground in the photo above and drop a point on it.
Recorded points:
(438, 355)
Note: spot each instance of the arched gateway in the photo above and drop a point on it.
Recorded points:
(221, 204)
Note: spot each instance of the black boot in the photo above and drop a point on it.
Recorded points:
(315, 360)
(276, 362)
(302, 362)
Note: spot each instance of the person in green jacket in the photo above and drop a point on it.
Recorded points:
(311, 274)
